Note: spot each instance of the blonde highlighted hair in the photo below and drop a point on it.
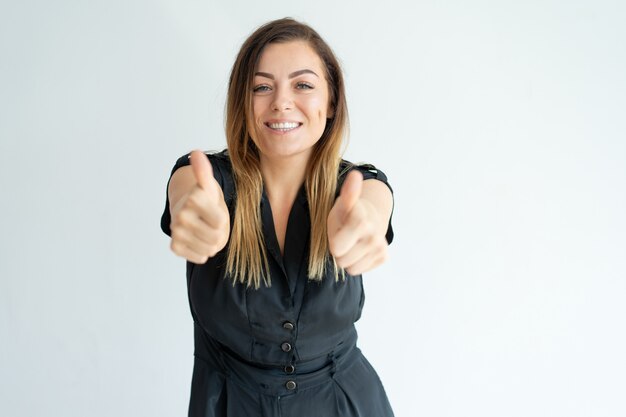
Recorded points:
(247, 260)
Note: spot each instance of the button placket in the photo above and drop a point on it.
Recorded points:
(286, 346)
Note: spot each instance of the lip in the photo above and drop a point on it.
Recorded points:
(282, 121)
(267, 123)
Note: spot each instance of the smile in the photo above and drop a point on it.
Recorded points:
(283, 126)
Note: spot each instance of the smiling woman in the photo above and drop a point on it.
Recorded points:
(277, 231)
(291, 102)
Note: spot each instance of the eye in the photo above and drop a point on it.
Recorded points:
(304, 86)
(261, 88)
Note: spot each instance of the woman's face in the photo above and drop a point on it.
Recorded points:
(290, 100)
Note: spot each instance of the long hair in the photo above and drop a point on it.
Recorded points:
(247, 260)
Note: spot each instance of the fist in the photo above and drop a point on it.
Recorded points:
(200, 221)
(354, 236)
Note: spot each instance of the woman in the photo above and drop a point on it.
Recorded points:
(274, 254)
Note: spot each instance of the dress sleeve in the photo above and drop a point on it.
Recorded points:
(369, 172)
(181, 162)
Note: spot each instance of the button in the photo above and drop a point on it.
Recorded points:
(286, 347)
(290, 369)
(288, 325)
(291, 385)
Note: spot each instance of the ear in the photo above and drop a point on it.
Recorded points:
(330, 113)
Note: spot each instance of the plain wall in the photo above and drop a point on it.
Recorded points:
(501, 127)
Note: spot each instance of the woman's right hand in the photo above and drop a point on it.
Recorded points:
(200, 221)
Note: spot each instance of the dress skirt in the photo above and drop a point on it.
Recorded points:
(340, 384)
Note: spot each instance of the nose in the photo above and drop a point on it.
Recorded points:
(282, 100)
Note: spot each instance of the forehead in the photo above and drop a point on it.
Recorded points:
(277, 58)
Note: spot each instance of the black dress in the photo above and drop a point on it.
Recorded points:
(287, 350)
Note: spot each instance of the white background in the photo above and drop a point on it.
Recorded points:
(501, 126)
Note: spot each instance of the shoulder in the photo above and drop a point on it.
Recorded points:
(368, 170)
(220, 158)
(220, 162)
(222, 167)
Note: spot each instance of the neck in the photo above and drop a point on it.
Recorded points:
(282, 177)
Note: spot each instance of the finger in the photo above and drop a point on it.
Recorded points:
(202, 170)
(195, 243)
(350, 192)
(349, 232)
(354, 254)
(342, 242)
(367, 262)
(188, 220)
(211, 210)
(182, 250)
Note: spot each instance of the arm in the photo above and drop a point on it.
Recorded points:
(357, 224)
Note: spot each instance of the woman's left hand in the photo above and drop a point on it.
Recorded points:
(357, 224)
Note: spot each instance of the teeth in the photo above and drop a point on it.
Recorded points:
(284, 126)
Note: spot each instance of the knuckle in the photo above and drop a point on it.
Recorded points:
(182, 219)
(195, 198)
(176, 247)
(178, 234)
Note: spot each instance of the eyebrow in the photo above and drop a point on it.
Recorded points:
(292, 75)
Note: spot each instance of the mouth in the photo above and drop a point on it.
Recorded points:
(283, 127)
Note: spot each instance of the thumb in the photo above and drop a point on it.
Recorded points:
(202, 170)
(350, 191)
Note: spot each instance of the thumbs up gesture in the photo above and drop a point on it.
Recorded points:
(200, 221)
(356, 229)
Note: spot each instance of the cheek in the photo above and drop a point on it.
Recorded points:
(257, 109)
(262, 104)
(318, 106)
(256, 123)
